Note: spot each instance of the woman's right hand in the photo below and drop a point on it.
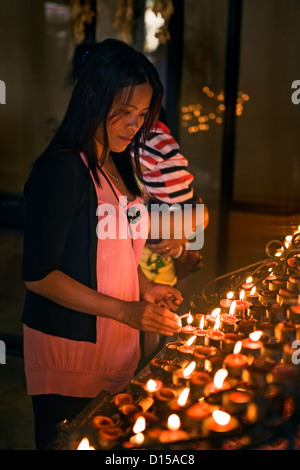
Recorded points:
(147, 316)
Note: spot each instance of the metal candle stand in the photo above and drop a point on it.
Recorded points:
(281, 422)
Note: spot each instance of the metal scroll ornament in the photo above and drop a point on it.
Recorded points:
(283, 259)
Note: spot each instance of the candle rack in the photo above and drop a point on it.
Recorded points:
(273, 416)
(281, 260)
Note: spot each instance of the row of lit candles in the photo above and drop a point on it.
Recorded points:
(218, 421)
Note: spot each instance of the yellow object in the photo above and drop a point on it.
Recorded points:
(157, 269)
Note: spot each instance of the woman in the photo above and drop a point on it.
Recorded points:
(86, 297)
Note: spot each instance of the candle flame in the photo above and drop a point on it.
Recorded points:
(232, 307)
(237, 347)
(230, 295)
(242, 294)
(249, 280)
(219, 378)
(217, 323)
(253, 290)
(173, 422)
(201, 323)
(151, 385)
(182, 399)
(139, 425)
(288, 238)
(215, 312)
(189, 319)
(255, 335)
(190, 341)
(189, 369)
(137, 439)
(85, 445)
(221, 417)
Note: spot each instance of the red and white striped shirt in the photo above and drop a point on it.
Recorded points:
(166, 177)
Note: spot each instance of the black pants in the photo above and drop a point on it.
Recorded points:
(49, 411)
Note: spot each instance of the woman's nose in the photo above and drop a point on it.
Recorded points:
(133, 123)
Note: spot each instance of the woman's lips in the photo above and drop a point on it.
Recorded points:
(126, 140)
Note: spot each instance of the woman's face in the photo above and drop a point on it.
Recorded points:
(125, 119)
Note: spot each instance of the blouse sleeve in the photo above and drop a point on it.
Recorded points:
(52, 196)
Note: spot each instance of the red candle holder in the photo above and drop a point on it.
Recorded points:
(285, 331)
(187, 331)
(228, 322)
(198, 382)
(267, 297)
(252, 346)
(235, 364)
(293, 283)
(238, 401)
(211, 427)
(293, 314)
(286, 297)
(195, 415)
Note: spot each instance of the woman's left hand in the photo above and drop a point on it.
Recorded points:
(163, 295)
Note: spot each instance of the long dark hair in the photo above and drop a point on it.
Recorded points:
(101, 72)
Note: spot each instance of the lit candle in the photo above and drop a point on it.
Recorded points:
(235, 362)
(185, 352)
(214, 337)
(242, 305)
(178, 405)
(248, 285)
(253, 296)
(173, 434)
(225, 304)
(188, 330)
(181, 377)
(200, 333)
(85, 445)
(219, 384)
(152, 386)
(210, 319)
(228, 319)
(220, 422)
(138, 428)
(252, 345)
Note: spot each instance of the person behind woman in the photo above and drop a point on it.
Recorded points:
(86, 296)
(166, 179)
